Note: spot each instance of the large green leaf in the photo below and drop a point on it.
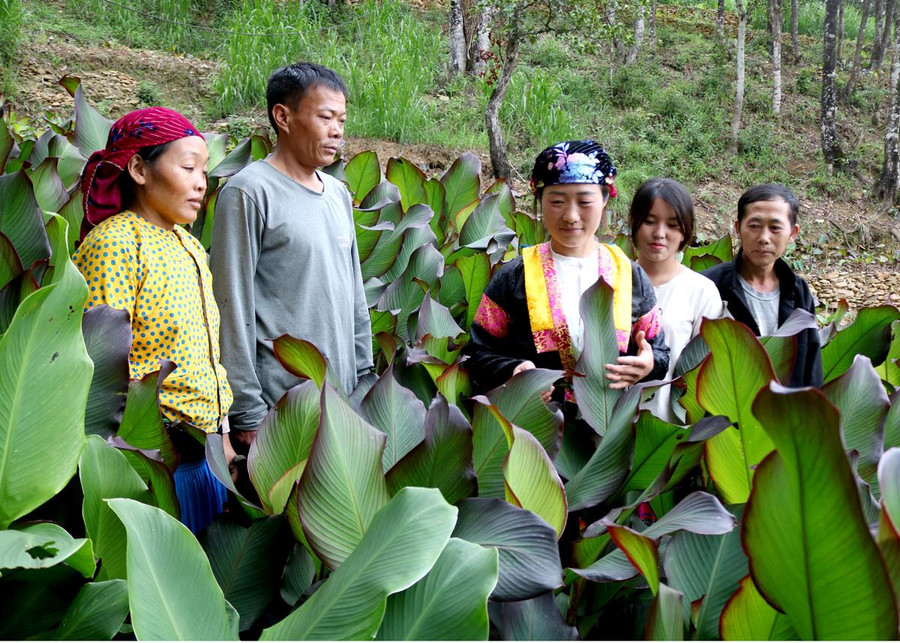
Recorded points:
(105, 473)
(665, 620)
(42, 545)
(529, 555)
(476, 272)
(20, 218)
(529, 477)
(162, 555)
(721, 248)
(7, 142)
(892, 422)
(283, 441)
(537, 619)
(397, 412)
(655, 441)
(49, 191)
(299, 572)
(708, 568)
(863, 404)
(608, 467)
(96, 614)
(73, 213)
(443, 459)
(245, 560)
(343, 485)
(869, 335)
(142, 421)
(595, 399)
(435, 320)
(91, 128)
(153, 471)
(42, 353)
(737, 368)
(402, 543)
(520, 402)
(462, 183)
(890, 369)
(363, 173)
(489, 449)
(409, 180)
(107, 338)
(748, 617)
(699, 513)
(791, 536)
(485, 222)
(450, 602)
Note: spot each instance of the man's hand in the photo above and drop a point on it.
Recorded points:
(630, 370)
(527, 365)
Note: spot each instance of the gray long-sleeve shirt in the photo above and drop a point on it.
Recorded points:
(284, 261)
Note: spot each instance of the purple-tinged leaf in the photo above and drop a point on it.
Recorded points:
(443, 459)
(519, 400)
(436, 320)
(20, 218)
(107, 338)
(239, 158)
(863, 403)
(529, 556)
(142, 420)
(536, 619)
(398, 413)
(10, 265)
(640, 550)
(666, 621)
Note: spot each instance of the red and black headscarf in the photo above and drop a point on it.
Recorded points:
(146, 127)
(582, 161)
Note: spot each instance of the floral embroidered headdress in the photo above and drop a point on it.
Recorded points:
(573, 162)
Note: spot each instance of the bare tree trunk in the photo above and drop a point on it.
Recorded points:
(480, 50)
(638, 36)
(857, 54)
(795, 29)
(831, 148)
(739, 85)
(840, 31)
(651, 36)
(499, 156)
(720, 20)
(775, 18)
(888, 186)
(457, 39)
(883, 39)
(878, 12)
(611, 10)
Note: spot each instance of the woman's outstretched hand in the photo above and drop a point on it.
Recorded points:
(527, 365)
(629, 370)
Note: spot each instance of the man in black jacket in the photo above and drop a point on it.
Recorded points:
(760, 289)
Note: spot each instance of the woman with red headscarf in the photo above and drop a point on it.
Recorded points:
(151, 177)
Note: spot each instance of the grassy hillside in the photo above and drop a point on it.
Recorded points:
(667, 114)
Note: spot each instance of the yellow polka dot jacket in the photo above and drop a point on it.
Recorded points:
(161, 278)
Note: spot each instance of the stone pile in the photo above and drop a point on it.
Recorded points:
(860, 289)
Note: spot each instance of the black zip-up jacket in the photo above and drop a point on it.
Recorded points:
(794, 293)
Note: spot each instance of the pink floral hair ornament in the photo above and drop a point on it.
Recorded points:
(582, 161)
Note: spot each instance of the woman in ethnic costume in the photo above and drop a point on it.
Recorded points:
(150, 178)
(529, 314)
(662, 224)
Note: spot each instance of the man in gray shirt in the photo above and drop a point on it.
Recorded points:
(283, 257)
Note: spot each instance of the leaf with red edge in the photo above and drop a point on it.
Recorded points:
(20, 218)
(791, 535)
(640, 550)
(736, 369)
(301, 358)
(283, 442)
(10, 265)
(748, 617)
(889, 521)
(142, 421)
(343, 486)
(666, 620)
(409, 180)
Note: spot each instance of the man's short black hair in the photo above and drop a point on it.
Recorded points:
(769, 192)
(288, 85)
